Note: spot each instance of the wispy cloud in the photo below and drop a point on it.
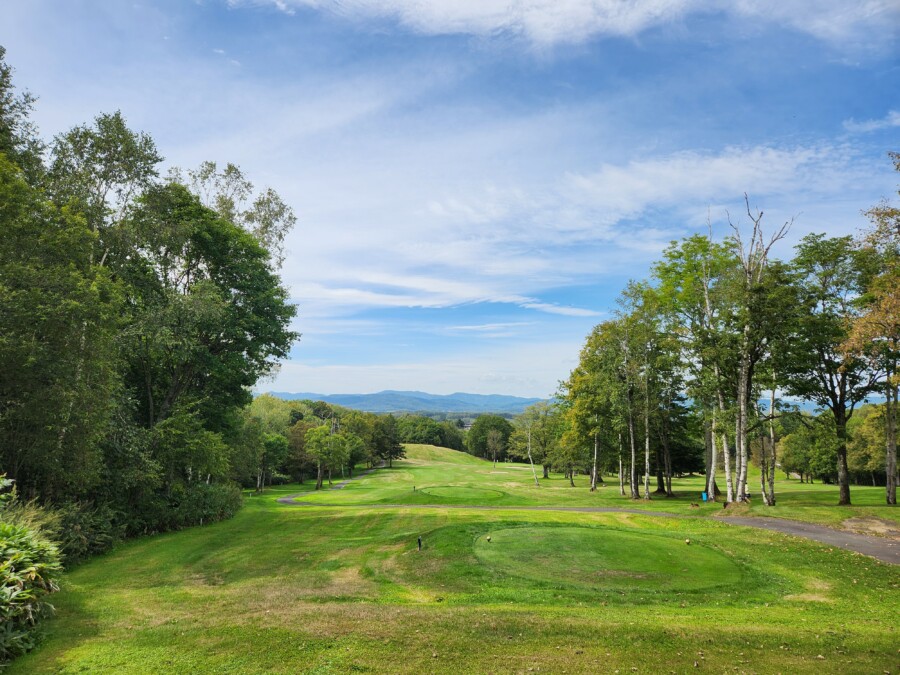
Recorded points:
(491, 327)
(559, 309)
(510, 246)
(892, 119)
(548, 22)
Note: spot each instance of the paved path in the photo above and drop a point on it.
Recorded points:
(343, 483)
(886, 550)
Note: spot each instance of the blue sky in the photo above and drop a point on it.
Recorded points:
(476, 180)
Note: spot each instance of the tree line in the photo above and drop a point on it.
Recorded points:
(702, 366)
(136, 312)
(312, 440)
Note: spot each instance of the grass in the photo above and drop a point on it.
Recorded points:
(337, 590)
(438, 476)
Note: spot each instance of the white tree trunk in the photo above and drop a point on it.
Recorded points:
(647, 448)
(531, 461)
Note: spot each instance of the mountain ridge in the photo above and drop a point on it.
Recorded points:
(392, 400)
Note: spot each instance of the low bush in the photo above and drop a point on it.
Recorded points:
(202, 503)
(187, 505)
(29, 568)
(86, 530)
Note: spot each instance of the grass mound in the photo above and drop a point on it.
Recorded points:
(418, 452)
(604, 558)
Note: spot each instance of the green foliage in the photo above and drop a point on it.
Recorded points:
(811, 451)
(58, 313)
(477, 438)
(386, 439)
(134, 322)
(87, 529)
(29, 571)
(18, 136)
(184, 505)
(202, 503)
(866, 448)
(328, 449)
(421, 429)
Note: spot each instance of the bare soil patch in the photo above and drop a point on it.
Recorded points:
(874, 526)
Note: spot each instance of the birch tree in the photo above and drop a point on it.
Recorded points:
(691, 291)
(752, 251)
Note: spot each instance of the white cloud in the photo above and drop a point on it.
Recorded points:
(490, 327)
(396, 249)
(547, 22)
(625, 191)
(559, 309)
(892, 119)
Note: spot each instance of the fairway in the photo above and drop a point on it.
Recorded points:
(337, 589)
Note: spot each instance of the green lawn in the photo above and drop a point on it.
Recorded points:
(336, 590)
(437, 476)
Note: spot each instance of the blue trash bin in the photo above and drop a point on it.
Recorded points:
(704, 497)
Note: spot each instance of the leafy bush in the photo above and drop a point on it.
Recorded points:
(86, 530)
(187, 505)
(201, 503)
(29, 567)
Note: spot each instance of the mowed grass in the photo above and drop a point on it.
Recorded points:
(335, 590)
(438, 476)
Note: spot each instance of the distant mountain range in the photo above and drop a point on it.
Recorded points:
(419, 401)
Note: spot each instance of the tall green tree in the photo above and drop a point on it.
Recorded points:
(875, 334)
(535, 435)
(387, 440)
(830, 281)
(19, 139)
(58, 319)
(693, 289)
(477, 438)
(208, 316)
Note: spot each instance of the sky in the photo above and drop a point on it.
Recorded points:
(475, 181)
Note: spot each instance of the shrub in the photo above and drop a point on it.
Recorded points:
(201, 503)
(29, 566)
(86, 530)
(187, 505)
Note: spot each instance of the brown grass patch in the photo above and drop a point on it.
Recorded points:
(735, 509)
(816, 591)
(875, 526)
(807, 597)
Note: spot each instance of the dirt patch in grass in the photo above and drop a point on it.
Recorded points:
(735, 509)
(807, 597)
(876, 526)
(816, 591)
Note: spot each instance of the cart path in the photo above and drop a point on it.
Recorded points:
(886, 550)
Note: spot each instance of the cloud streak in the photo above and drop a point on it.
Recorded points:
(550, 22)
(892, 119)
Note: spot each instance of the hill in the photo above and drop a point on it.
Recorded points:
(419, 401)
